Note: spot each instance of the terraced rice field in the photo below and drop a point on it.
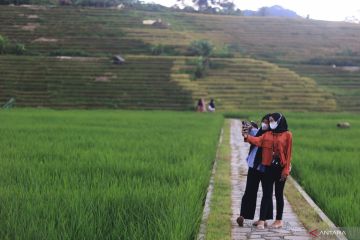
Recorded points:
(342, 81)
(92, 35)
(91, 83)
(156, 83)
(104, 174)
(110, 31)
(247, 83)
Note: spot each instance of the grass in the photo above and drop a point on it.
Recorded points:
(104, 174)
(219, 222)
(304, 211)
(326, 162)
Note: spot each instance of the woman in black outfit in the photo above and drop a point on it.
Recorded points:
(254, 176)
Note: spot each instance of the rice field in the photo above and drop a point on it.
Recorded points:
(104, 174)
(326, 162)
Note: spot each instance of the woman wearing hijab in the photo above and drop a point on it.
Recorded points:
(201, 105)
(211, 106)
(276, 157)
(255, 175)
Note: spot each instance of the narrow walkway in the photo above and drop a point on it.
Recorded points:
(293, 229)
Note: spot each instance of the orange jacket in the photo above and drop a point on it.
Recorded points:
(278, 143)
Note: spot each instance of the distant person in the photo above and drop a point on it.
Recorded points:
(201, 105)
(276, 157)
(211, 106)
(255, 174)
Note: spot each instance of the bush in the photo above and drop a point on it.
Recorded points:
(203, 49)
(18, 49)
(4, 42)
(6, 47)
(199, 67)
(200, 48)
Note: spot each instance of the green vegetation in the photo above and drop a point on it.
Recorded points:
(306, 213)
(203, 49)
(77, 82)
(235, 81)
(342, 81)
(7, 47)
(219, 224)
(326, 162)
(104, 174)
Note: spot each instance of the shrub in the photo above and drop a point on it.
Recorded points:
(18, 49)
(199, 67)
(200, 48)
(6, 47)
(4, 42)
(203, 49)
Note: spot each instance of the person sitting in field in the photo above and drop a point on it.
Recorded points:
(211, 106)
(201, 105)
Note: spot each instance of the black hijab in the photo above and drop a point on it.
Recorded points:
(258, 155)
(282, 123)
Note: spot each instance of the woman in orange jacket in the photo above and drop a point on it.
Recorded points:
(276, 156)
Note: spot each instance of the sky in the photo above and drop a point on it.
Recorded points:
(331, 10)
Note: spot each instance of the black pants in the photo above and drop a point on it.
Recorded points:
(272, 176)
(248, 202)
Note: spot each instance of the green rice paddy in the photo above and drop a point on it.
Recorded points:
(104, 174)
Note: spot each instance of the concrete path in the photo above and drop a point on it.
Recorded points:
(293, 229)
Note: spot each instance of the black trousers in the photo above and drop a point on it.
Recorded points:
(272, 176)
(248, 202)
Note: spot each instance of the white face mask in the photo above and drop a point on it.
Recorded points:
(264, 126)
(273, 125)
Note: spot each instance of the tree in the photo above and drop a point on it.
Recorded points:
(202, 4)
(200, 48)
(203, 49)
(213, 6)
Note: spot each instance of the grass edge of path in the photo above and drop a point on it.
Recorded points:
(219, 222)
(305, 212)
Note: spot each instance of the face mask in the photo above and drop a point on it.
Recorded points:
(273, 125)
(264, 126)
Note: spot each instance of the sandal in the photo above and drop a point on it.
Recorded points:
(240, 221)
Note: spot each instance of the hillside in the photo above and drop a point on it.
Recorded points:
(287, 50)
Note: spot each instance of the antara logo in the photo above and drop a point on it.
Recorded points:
(314, 233)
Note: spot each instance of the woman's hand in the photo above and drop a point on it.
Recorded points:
(283, 178)
(245, 134)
